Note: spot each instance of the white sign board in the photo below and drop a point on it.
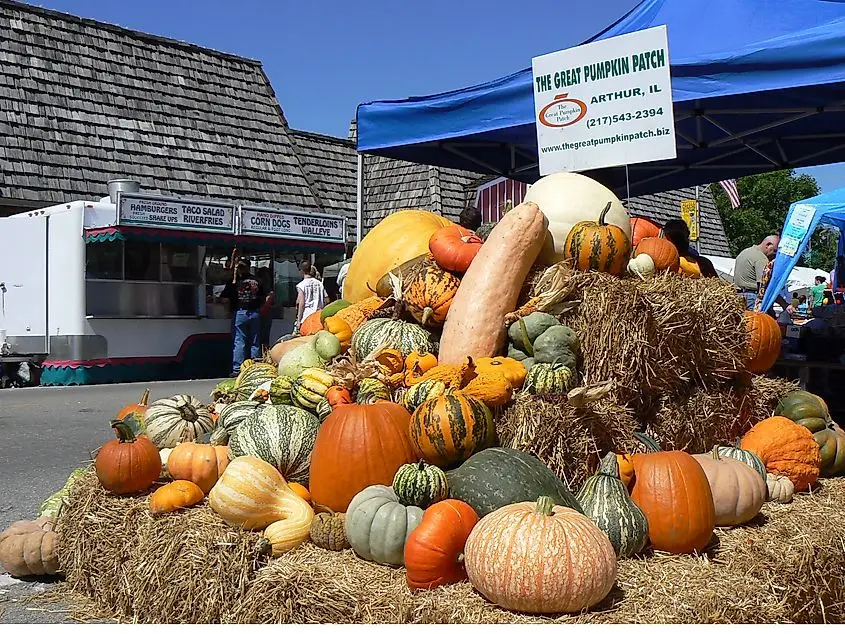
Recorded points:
(256, 221)
(796, 229)
(605, 103)
(175, 213)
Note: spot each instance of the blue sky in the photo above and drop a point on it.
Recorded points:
(325, 57)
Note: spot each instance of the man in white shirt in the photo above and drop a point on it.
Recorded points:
(310, 295)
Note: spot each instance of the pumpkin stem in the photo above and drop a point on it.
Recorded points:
(716, 455)
(426, 315)
(545, 505)
(604, 213)
(526, 341)
(123, 431)
(648, 441)
(421, 465)
(263, 547)
(145, 398)
(609, 466)
(188, 413)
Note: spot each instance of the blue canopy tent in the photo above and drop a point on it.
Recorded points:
(757, 85)
(801, 220)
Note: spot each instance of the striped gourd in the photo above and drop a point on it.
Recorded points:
(428, 292)
(393, 333)
(230, 417)
(545, 378)
(598, 246)
(323, 409)
(371, 390)
(417, 394)
(180, 418)
(420, 484)
(280, 390)
(746, 457)
(605, 500)
(448, 429)
(310, 387)
(281, 435)
(252, 376)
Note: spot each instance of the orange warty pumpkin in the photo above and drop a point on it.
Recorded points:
(176, 495)
(428, 293)
(454, 247)
(127, 464)
(642, 228)
(672, 490)
(662, 252)
(357, 446)
(198, 463)
(764, 339)
(311, 325)
(598, 246)
(786, 448)
(434, 549)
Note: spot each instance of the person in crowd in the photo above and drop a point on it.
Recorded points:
(310, 294)
(245, 295)
(793, 304)
(470, 218)
(677, 232)
(749, 267)
(344, 270)
(266, 310)
(837, 275)
(817, 292)
(803, 311)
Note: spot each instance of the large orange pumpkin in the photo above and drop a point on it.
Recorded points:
(399, 237)
(357, 446)
(598, 246)
(786, 448)
(642, 228)
(662, 252)
(448, 429)
(434, 549)
(672, 490)
(127, 464)
(198, 463)
(764, 339)
(454, 247)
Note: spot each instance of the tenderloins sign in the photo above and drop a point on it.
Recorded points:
(256, 221)
(193, 215)
(605, 103)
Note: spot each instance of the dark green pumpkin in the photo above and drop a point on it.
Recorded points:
(496, 477)
(484, 230)
(744, 456)
(831, 441)
(419, 393)
(558, 344)
(525, 331)
(605, 500)
(420, 484)
(804, 408)
(371, 390)
(545, 378)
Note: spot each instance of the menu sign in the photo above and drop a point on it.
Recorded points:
(175, 213)
(257, 221)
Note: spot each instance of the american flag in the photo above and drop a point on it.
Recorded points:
(731, 190)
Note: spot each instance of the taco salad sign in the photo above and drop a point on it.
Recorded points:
(605, 103)
(174, 213)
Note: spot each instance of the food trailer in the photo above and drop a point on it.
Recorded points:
(127, 288)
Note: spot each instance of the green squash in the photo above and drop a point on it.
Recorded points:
(558, 344)
(496, 477)
(545, 378)
(310, 387)
(744, 456)
(393, 333)
(371, 390)
(420, 484)
(334, 308)
(516, 353)
(525, 331)
(230, 417)
(52, 505)
(419, 393)
(804, 408)
(280, 435)
(484, 230)
(323, 409)
(252, 377)
(224, 392)
(377, 525)
(315, 353)
(831, 441)
(605, 500)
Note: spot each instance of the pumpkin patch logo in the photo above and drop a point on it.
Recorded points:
(562, 112)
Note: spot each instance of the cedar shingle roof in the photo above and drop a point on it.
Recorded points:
(82, 102)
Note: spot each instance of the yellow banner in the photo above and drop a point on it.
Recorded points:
(689, 213)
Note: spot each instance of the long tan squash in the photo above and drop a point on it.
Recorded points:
(475, 326)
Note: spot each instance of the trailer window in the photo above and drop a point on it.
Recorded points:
(104, 260)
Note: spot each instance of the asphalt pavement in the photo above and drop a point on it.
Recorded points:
(45, 433)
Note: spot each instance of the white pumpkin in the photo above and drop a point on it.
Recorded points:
(566, 198)
(180, 418)
(641, 266)
(780, 488)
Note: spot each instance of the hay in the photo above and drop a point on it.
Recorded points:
(569, 440)
(184, 567)
(764, 394)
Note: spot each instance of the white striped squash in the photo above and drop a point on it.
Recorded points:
(252, 376)
(393, 333)
(176, 419)
(252, 494)
(230, 417)
(281, 435)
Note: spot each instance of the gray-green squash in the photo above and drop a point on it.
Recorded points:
(377, 525)
(605, 500)
(558, 344)
(525, 331)
(230, 417)
(498, 476)
(281, 435)
(420, 484)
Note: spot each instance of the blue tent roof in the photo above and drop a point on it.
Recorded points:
(757, 85)
(826, 209)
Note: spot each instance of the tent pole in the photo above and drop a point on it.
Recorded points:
(360, 200)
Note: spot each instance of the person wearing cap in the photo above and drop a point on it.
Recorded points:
(245, 295)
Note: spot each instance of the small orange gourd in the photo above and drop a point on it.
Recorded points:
(340, 329)
(513, 370)
(178, 494)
